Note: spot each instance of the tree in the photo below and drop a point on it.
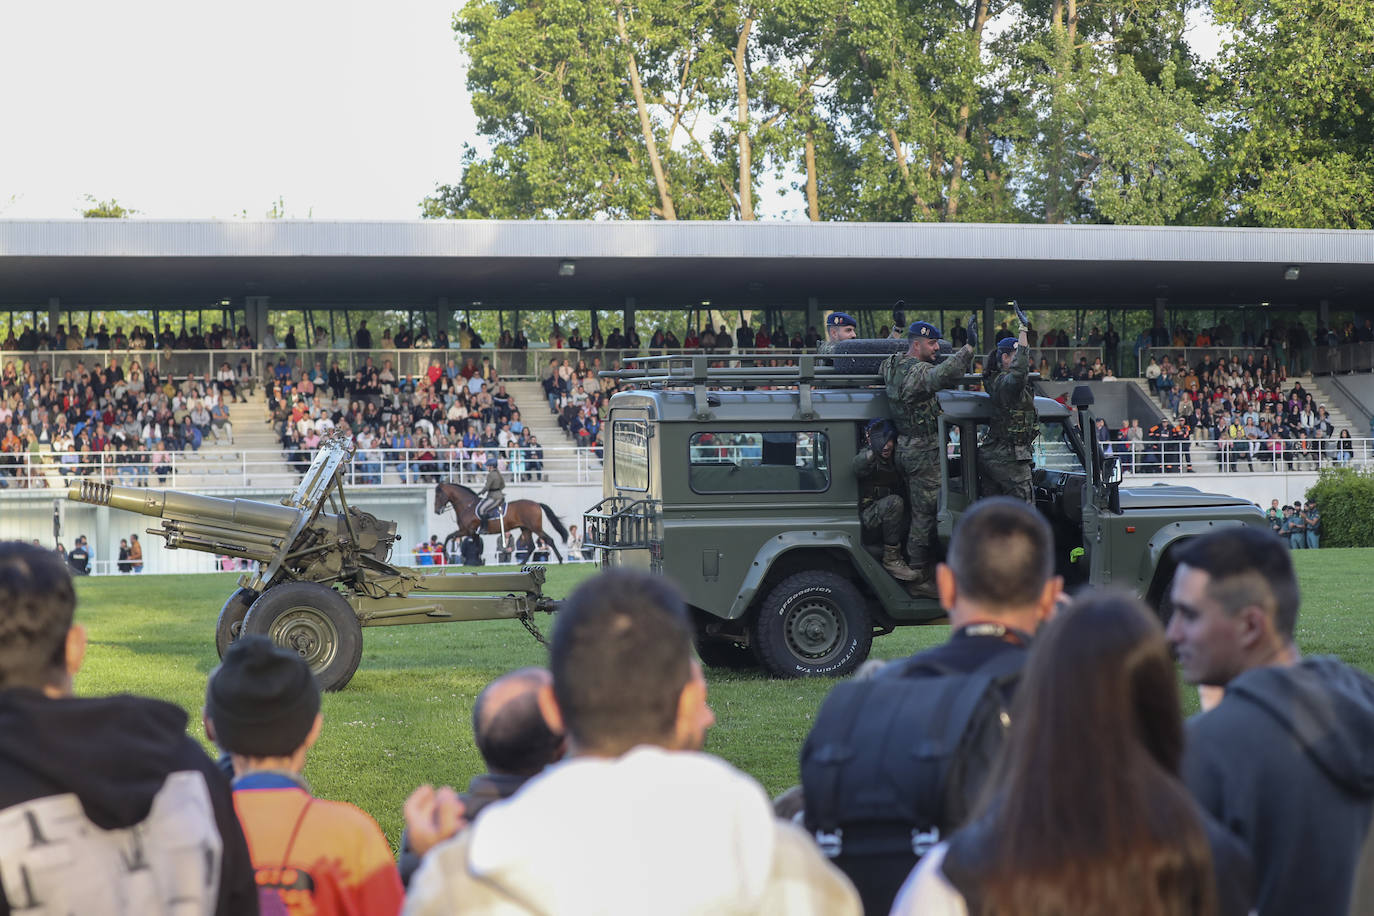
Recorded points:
(105, 209)
(1297, 146)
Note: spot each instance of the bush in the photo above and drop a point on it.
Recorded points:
(1345, 499)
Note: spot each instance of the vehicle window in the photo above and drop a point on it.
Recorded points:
(630, 454)
(747, 462)
(954, 457)
(1054, 450)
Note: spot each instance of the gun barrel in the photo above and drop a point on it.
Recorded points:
(246, 514)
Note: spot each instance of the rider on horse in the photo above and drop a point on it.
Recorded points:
(493, 492)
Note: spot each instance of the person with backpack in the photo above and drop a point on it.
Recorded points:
(895, 763)
(310, 855)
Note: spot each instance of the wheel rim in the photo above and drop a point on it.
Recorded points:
(815, 628)
(309, 633)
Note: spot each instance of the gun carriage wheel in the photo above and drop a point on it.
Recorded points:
(315, 621)
(231, 617)
(812, 624)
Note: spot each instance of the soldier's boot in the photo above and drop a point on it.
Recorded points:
(894, 564)
(922, 588)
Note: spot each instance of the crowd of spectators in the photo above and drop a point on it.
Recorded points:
(1239, 410)
(1086, 792)
(442, 425)
(98, 337)
(120, 420)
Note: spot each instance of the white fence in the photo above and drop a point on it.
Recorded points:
(278, 468)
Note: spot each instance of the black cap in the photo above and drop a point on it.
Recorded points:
(262, 699)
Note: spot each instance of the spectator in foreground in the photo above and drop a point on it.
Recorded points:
(637, 820)
(1086, 813)
(998, 586)
(109, 806)
(1284, 759)
(515, 743)
(262, 706)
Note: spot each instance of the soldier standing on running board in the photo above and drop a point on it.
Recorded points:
(913, 380)
(1005, 457)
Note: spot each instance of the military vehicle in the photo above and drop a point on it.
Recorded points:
(736, 481)
(320, 576)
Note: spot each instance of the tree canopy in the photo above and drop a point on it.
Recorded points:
(929, 110)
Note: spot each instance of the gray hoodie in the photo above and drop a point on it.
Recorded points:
(1286, 762)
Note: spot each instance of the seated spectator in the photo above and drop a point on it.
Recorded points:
(112, 807)
(515, 742)
(262, 707)
(1087, 800)
(1282, 758)
(710, 845)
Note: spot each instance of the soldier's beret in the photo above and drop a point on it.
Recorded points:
(1006, 344)
(840, 319)
(923, 329)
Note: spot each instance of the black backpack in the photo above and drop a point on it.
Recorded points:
(894, 765)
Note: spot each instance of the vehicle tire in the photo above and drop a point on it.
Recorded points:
(812, 624)
(231, 618)
(316, 622)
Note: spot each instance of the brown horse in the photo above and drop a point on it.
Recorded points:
(523, 514)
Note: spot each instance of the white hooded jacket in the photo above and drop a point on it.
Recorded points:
(652, 831)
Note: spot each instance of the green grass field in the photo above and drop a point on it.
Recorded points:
(404, 719)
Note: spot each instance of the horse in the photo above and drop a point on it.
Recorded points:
(523, 514)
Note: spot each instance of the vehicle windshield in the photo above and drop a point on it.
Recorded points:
(1055, 450)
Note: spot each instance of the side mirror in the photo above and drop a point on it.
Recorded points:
(1111, 470)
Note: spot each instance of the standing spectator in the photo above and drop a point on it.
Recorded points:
(135, 554)
(1283, 758)
(363, 337)
(1086, 812)
(123, 561)
(707, 844)
(998, 586)
(262, 706)
(109, 806)
(1313, 520)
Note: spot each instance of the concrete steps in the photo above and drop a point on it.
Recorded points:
(535, 413)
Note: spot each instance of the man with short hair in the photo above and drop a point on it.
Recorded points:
(262, 707)
(838, 326)
(913, 384)
(106, 804)
(1283, 760)
(637, 819)
(515, 743)
(998, 586)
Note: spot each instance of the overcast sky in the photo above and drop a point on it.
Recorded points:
(188, 109)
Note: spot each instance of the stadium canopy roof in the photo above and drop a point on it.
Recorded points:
(672, 264)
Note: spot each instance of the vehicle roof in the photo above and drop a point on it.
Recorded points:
(678, 405)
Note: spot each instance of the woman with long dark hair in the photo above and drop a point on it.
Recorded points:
(1085, 813)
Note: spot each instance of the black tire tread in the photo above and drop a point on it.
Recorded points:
(771, 648)
(331, 604)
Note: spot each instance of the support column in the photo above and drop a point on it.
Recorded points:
(54, 313)
(442, 315)
(1324, 315)
(255, 314)
(813, 315)
(105, 548)
(629, 316)
(989, 327)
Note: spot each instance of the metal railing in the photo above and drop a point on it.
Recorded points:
(256, 366)
(1258, 455)
(1349, 357)
(282, 468)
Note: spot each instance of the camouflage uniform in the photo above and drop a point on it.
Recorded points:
(880, 503)
(911, 394)
(1004, 458)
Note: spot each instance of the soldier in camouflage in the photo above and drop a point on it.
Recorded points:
(913, 380)
(881, 505)
(838, 326)
(1004, 457)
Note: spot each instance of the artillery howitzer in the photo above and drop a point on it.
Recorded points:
(321, 576)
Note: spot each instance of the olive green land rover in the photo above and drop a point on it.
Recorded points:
(737, 483)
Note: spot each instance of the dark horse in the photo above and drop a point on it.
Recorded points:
(520, 513)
